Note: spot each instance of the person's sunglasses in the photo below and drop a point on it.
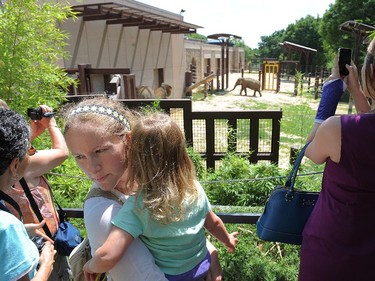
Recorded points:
(31, 151)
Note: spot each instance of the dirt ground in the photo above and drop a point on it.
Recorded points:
(232, 100)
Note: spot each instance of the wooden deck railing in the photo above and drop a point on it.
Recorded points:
(238, 218)
(254, 134)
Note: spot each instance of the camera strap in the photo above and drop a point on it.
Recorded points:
(34, 206)
(10, 200)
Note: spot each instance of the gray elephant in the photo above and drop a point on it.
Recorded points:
(163, 92)
(248, 83)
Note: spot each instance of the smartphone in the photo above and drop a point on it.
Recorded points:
(345, 57)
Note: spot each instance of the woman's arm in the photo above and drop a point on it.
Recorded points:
(326, 142)
(45, 160)
(360, 102)
(46, 261)
(98, 213)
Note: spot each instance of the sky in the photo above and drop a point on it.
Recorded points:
(249, 19)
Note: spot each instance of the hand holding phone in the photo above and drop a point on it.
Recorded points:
(345, 57)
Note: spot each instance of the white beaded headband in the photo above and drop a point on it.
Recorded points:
(101, 110)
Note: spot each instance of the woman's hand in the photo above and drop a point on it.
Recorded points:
(33, 230)
(89, 274)
(336, 70)
(360, 101)
(48, 253)
(352, 78)
(46, 260)
(39, 126)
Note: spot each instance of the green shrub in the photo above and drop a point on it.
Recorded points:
(198, 162)
(239, 183)
(256, 260)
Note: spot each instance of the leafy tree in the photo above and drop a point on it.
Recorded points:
(305, 32)
(196, 36)
(249, 53)
(31, 45)
(341, 11)
(269, 47)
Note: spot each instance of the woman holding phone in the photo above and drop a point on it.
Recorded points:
(339, 237)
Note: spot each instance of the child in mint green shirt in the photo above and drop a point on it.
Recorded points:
(168, 209)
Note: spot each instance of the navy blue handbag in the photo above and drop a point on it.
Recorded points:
(67, 236)
(287, 210)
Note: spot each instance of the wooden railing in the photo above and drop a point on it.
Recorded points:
(239, 218)
(254, 134)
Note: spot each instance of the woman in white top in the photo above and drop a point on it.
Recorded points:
(97, 132)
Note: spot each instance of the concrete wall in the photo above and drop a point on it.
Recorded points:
(141, 50)
(201, 51)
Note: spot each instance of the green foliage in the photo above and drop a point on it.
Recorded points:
(322, 34)
(269, 47)
(230, 185)
(338, 13)
(249, 53)
(257, 260)
(297, 123)
(305, 32)
(198, 162)
(196, 36)
(70, 189)
(31, 45)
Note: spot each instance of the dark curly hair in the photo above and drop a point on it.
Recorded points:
(14, 137)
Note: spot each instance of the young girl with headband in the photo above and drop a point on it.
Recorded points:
(97, 132)
(169, 208)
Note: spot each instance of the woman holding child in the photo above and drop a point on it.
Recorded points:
(97, 134)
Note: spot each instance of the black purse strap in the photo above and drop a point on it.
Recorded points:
(12, 202)
(293, 173)
(34, 206)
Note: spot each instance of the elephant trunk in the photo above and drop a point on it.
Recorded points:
(235, 85)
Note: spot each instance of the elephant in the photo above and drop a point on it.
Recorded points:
(248, 83)
(143, 92)
(163, 92)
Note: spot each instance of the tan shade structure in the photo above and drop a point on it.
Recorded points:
(125, 15)
(360, 31)
(224, 38)
(300, 49)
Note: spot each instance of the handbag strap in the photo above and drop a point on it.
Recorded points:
(34, 206)
(98, 192)
(12, 202)
(293, 173)
(62, 215)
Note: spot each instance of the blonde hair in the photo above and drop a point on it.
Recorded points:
(106, 114)
(369, 60)
(160, 165)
